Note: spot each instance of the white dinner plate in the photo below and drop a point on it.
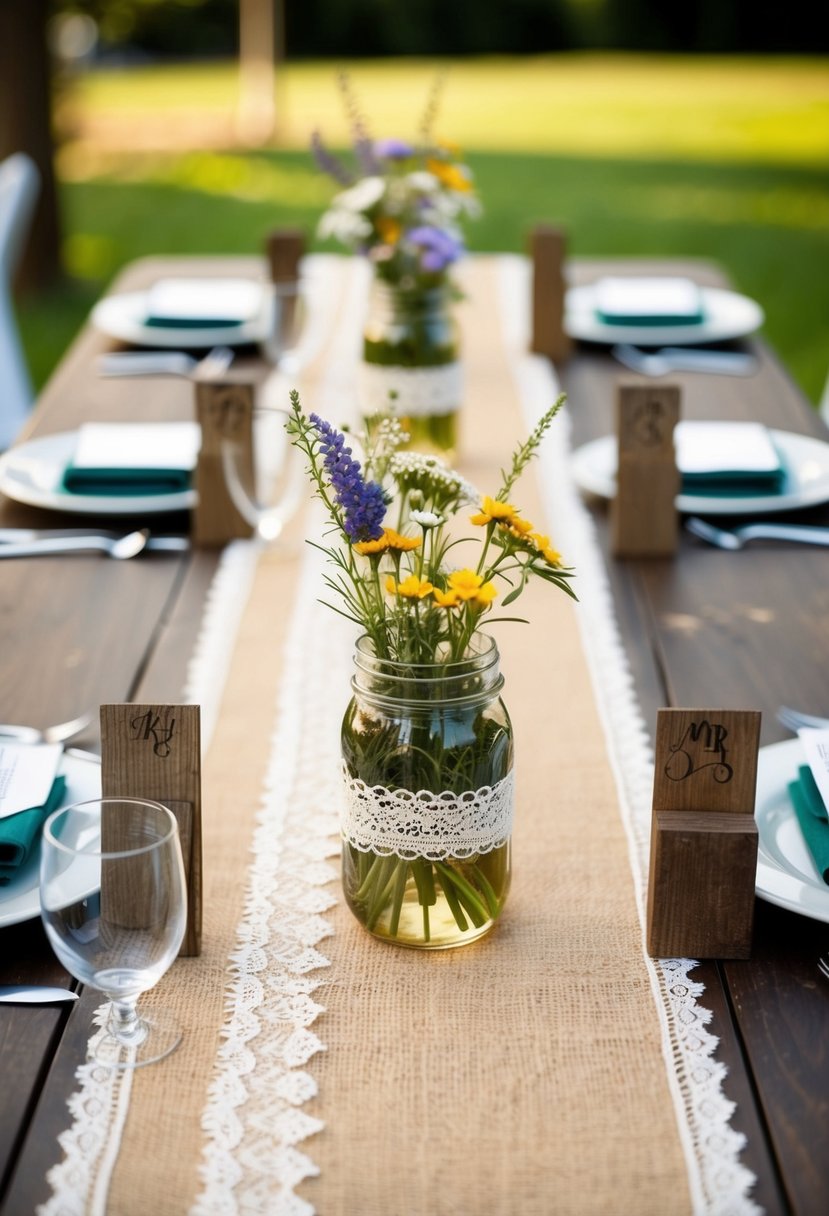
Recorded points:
(806, 483)
(124, 316)
(20, 900)
(33, 473)
(786, 874)
(726, 315)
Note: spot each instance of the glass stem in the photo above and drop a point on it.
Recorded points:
(125, 1023)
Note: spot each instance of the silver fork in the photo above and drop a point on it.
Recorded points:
(681, 359)
(165, 363)
(794, 719)
(823, 966)
(737, 538)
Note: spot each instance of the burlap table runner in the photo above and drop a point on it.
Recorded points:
(523, 1074)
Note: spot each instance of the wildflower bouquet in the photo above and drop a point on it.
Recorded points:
(426, 740)
(401, 203)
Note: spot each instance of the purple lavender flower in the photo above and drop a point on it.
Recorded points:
(438, 248)
(392, 149)
(329, 163)
(363, 502)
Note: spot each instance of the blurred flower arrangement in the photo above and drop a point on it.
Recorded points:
(394, 573)
(401, 204)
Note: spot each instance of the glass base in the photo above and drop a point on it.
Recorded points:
(157, 1036)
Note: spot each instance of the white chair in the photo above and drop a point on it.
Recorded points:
(19, 186)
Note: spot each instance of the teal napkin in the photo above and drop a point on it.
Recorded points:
(126, 459)
(20, 833)
(203, 303)
(728, 459)
(126, 482)
(649, 301)
(812, 817)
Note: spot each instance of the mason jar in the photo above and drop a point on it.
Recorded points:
(427, 753)
(411, 365)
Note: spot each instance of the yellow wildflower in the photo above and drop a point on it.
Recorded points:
(492, 510)
(412, 588)
(367, 547)
(449, 175)
(445, 599)
(542, 544)
(388, 229)
(518, 527)
(403, 544)
(485, 594)
(465, 583)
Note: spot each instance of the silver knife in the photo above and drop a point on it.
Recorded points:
(34, 994)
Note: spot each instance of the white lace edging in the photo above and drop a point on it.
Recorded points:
(253, 1120)
(419, 392)
(425, 824)
(718, 1182)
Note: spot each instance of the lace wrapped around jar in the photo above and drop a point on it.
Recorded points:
(428, 771)
(411, 364)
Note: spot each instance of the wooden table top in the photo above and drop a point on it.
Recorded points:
(700, 629)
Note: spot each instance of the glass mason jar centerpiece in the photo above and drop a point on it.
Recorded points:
(411, 364)
(426, 742)
(403, 207)
(428, 769)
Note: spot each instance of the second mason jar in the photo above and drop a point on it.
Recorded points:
(427, 755)
(411, 364)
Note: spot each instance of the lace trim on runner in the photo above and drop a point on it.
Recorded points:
(718, 1182)
(418, 392)
(253, 1120)
(435, 826)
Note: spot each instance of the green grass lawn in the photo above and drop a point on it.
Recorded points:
(720, 159)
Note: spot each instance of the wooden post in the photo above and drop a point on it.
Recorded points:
(548, 247)
(224, 409)
(703, 857)
(643, 515)
(154, 752)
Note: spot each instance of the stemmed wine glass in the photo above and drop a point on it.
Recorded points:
(114, 906)
(267, 494)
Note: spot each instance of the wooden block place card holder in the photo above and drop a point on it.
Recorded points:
(224, 409)
(703, 856)
(154, 752)
(643, 515)
(548, 247)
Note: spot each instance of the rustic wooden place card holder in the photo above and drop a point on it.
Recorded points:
(703, 856)
(548, 247)
(285, 248)
(224, 409)
(643, 514)
(154, 752)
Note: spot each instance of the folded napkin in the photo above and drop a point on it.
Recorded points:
(203, 303)
(648, 301)
(727, 458)
(812, 816)
(125, 458)
(20, 833)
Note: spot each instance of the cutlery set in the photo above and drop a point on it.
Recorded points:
(30, 542)
(737, 538)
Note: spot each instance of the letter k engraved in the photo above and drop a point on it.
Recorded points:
(149, 728)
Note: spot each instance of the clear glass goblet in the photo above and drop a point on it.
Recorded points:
(265, 480)
(114, 905)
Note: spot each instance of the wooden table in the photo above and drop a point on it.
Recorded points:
(703, 629)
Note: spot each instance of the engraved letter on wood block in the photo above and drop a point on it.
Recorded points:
(547, 248)
(643, 515)
(154, 752)
(703, 835)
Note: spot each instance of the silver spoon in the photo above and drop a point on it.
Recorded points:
(737, 538)
(794, 719)
(58, 733)
(121, 548)
(679, 359)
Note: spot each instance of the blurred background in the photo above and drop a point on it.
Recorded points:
(183, 126)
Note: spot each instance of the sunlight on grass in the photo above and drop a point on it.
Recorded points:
(766, 110)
